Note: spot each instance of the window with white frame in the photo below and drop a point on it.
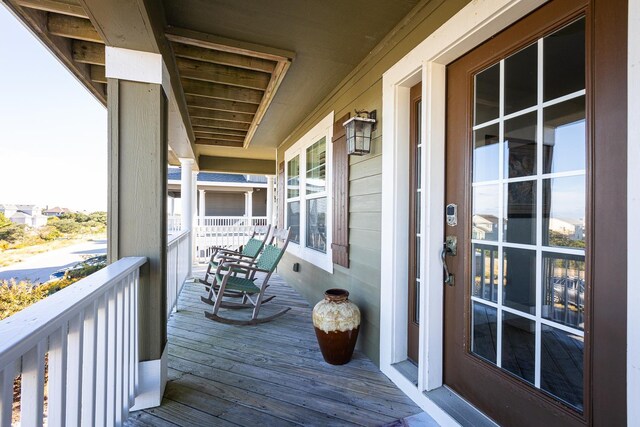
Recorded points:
(308, 178)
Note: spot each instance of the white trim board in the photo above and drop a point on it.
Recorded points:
(151, 383)
(633, 212)
(427, 62)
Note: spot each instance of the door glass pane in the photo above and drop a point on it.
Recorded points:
(486, 153)
(293, 220)
(565, 136)
(485, 212)
(520, 279)
(564, 56)
(487, 97)
(528, 210)
(519, 346)
(484, 331)
(521, 80)
(485, 272)
(520, 154)
(317, 224)
(563, 282)
(520, 212)
(562, 365)
(564, 212)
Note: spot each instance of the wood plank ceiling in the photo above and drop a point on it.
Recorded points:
(65, 27)
(227, 88)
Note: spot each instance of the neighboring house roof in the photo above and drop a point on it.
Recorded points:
(56, 210)
(20, 214)
(174, 175)
(8, 207)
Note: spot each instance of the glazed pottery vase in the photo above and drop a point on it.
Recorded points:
(337, 322)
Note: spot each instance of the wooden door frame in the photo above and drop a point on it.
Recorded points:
(471, 26)
(493, 381)
(413, 328)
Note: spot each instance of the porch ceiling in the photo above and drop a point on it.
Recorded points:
(245, 73)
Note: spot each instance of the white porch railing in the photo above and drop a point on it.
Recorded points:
(177, 267)
(174, 223)
(89, 333)
(225, 231)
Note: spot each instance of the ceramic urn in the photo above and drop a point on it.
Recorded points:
(336, 321)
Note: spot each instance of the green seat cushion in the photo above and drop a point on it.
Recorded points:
(239, 284)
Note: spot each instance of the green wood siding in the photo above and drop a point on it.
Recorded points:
(362, 89)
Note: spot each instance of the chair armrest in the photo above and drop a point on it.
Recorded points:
(244, 268)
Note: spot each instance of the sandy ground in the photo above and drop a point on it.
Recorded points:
(37, 268)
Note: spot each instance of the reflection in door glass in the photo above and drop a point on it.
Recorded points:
(564, 212)
(486, 154)
(484, 332)
(563, 281)
(528, 286)
(486, 212)
(565, 136)
(519, 346)
(520, 212)
(485, 272)
(562, 365)
(520, 279)
(520, 147)
(487, 95)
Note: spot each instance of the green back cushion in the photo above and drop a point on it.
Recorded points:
(269, 258)
(252, 248)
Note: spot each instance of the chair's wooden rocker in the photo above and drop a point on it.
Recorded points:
(221, 255)
(252, 293)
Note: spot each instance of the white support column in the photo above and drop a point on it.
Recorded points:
(186, 197)
(202, 203)
(249, 206)
(186, 193)
(269, 199)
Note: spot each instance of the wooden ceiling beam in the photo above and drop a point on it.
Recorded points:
(223, 74)
(98, 74)
(218, 143)
(223, 58)
(72, 28)
(218, 137)
(64, 7)
(203, 113)
(219, 124)
(230, 132)
(220, 104)
(213, 90)
(88, 52)
(209, 41)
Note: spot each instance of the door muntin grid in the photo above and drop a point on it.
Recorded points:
(528, 214)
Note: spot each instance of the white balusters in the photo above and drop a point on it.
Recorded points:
(88, 333)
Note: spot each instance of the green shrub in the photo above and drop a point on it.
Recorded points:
(48, 233)
(13, 232)
(67, 226)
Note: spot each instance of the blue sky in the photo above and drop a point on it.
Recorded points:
(53, 132)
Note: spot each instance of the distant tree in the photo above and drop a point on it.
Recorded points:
(13, 232)
(4, 221)
(67, 226)
(99, 216)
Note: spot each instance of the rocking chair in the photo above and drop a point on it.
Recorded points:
(252, 294)
(220, 254)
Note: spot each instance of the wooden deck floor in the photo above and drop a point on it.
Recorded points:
(271, 374)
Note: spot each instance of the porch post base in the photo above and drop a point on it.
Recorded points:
(152, 379)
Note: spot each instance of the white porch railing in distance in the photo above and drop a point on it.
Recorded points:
(89, 333)
(174, 224)
(177, 267)
(225, 231)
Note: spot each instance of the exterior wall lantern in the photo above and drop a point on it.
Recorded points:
(358, 130)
